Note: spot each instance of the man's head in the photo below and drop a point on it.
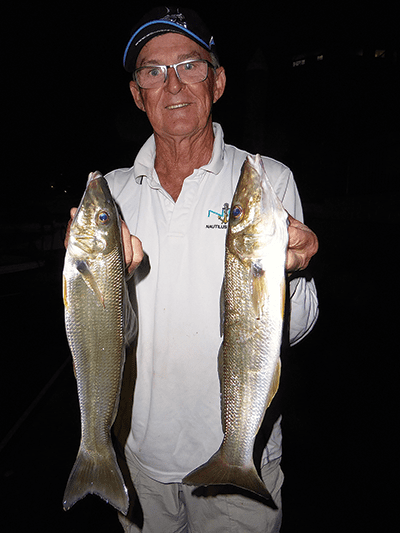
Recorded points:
(162, 20)
(176, 106)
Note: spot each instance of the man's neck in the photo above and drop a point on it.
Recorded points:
(177, 158)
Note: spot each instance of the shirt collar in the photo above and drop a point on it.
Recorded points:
(217, 159)
(144, 162)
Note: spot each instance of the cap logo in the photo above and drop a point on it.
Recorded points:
(176, 18)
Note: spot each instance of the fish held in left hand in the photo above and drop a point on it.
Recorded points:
(99, 321)
(254, 301)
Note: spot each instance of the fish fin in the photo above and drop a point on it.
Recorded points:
(65, 293)
(96, 474)
(222, 308)
(221, 366)
(89, 279)
(218, 472)
(130, 319)
(283, 293)
(258, 288)
(275, 382)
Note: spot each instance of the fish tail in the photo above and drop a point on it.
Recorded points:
(96, 474)
(218, 472)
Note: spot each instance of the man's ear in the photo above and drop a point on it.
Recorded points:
(137, 96)
(219, 83)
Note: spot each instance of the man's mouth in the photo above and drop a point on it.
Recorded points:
(177, 106)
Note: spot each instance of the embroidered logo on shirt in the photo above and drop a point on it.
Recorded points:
(223, 217)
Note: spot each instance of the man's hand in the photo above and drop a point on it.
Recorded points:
(303, 244)
(133, 251)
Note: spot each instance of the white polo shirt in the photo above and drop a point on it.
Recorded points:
(176, 419)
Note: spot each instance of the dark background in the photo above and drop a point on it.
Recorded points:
(316, 86)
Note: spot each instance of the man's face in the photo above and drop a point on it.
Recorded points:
(176, 109)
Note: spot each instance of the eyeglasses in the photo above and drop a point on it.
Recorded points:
(191, 71)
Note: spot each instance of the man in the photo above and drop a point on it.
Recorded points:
(173, 199)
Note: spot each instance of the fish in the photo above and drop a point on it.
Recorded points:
(253, 312)
(99, 322)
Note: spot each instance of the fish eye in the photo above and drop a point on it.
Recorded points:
(103, 217)
(237, 212)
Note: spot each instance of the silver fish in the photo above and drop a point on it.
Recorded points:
(254, 302)
(97, 315)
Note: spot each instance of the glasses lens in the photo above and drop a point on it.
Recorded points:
(192, 71)
(149, 77)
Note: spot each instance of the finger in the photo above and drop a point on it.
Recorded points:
(137, 249)
(133, 251)
(294, 261)
(296, 224)
(72, 214)
(303, 244)
(126, 243)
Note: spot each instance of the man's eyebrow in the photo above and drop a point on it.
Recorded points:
(189, 55)
(149, 62)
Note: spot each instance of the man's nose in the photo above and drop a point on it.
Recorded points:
(173, 83)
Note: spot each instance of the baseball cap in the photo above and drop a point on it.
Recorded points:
(163, 20)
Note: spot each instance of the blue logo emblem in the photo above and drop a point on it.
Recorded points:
(223, 216)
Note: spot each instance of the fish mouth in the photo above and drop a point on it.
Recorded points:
(177, 106)
(94, 176)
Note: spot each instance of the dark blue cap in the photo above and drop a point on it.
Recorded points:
(163, 20)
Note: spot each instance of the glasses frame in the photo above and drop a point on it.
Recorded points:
(164, 69)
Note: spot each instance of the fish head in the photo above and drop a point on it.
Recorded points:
(257, 217)
(96, 227)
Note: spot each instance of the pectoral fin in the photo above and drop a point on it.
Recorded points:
(89, 279)
(258, 288)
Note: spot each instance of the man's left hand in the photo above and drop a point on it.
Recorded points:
(303, 244)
